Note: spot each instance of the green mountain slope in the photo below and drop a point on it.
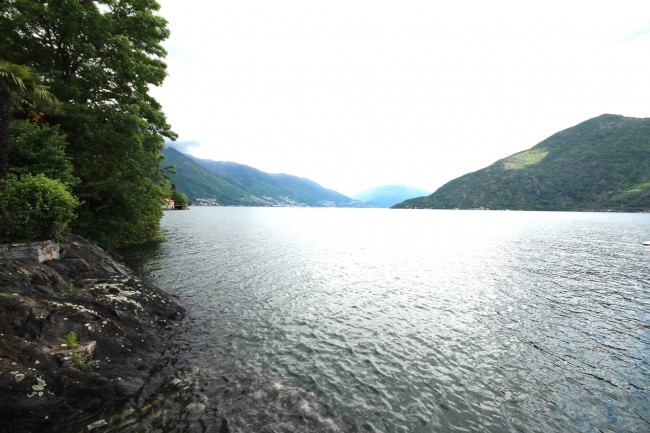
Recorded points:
(284, 188)
(208, 182)
(388, 195)
(600, 164)
(198, 183)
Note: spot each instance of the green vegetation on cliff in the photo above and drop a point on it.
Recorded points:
(600, 164)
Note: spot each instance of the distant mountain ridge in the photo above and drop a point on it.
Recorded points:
(208, 182)
(389, 195)
(200, 186)
(600, 164)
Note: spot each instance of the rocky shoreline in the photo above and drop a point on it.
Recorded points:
(123, 326)
(133, 365)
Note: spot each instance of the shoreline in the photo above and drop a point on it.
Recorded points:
(135, 368)
(123, 327)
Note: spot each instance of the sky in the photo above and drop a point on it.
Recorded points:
(354, 94)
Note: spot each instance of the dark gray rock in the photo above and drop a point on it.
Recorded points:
(46, 386)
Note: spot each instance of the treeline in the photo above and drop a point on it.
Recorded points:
(76, 76)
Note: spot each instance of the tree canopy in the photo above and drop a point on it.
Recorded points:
(16, 81)
(40, 149)
(100, 59)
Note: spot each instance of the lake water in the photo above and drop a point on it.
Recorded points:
(419, 321)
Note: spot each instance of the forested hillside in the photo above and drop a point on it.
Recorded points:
(227, 183)
(600, 164)
(98, 59)
(199, 184)
(284, 188)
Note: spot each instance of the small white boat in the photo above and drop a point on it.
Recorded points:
(646, 243)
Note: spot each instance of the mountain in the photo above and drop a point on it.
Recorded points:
(600, 164)
(388, 195)
(288, 190)
(227, 183)
(198, 183)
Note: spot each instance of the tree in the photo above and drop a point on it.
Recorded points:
(101, 57)
(39, 148)
(17, 82)
(180, 199)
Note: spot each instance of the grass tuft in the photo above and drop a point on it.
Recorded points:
(71, 339)
(79, 360)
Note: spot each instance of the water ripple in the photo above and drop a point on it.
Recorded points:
(425, 321)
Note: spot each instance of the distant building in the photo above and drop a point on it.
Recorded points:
(168, 204)
(199, 201)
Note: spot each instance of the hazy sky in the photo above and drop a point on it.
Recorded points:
(355, 94)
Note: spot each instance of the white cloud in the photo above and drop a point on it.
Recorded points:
(353, 94)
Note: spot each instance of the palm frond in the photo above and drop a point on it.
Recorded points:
(42, 92)
(24, 86)
(16, 74)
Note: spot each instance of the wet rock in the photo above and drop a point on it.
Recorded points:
(123, 326)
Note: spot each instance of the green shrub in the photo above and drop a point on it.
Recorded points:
(35, 207)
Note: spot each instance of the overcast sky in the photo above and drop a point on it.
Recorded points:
(354, 94)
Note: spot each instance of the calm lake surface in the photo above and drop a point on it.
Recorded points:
(421, 321)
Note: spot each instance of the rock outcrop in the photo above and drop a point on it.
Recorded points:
(123, 325)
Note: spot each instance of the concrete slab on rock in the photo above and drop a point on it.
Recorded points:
(40, 251)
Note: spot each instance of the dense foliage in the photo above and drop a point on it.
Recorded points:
(180, 199)
(35, 207)
(100, 58)
(19, 87)
(600, 164)
(37, 149)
